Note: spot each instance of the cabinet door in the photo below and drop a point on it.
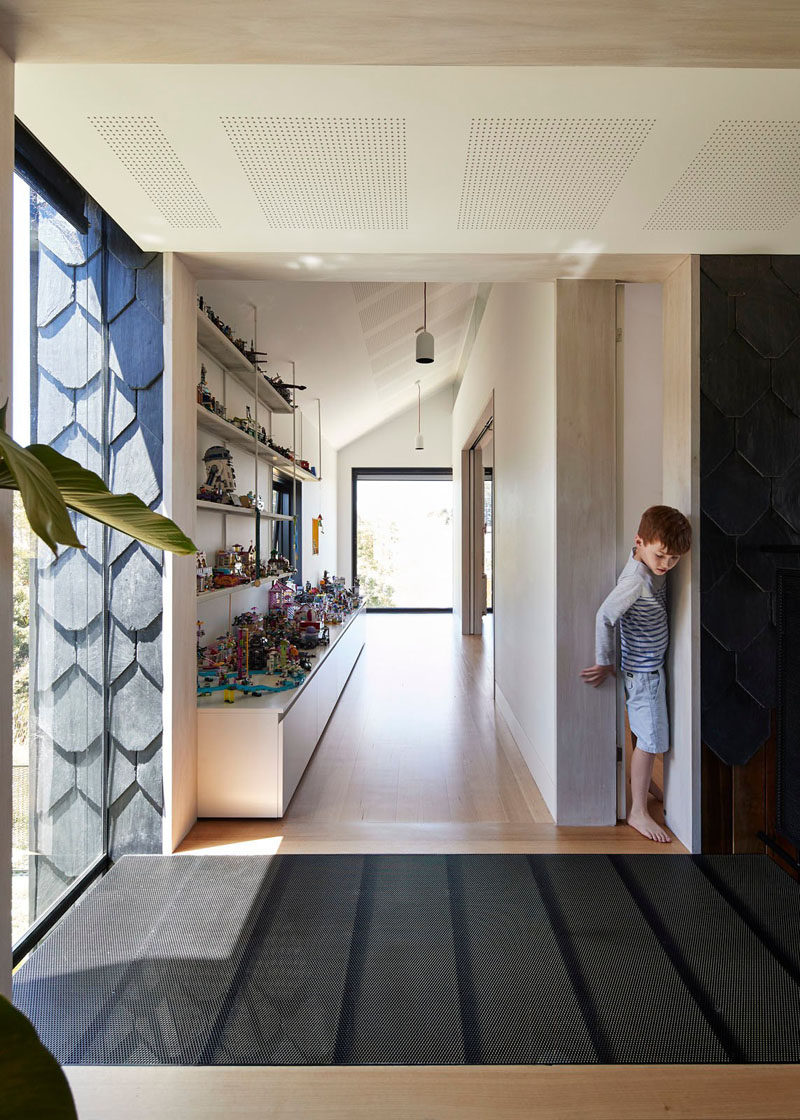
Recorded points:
(328, 688)
(237, 764)
(299, 735)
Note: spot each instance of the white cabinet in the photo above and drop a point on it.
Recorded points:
(252, 754)
(299, 735)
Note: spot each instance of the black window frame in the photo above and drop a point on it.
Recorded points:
(377, 474)
(281, 535)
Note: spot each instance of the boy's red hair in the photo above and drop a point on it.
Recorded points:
(667, 525)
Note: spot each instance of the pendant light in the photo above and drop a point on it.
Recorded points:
(424, 338)
(420, 444)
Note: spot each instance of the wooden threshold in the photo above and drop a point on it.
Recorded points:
(752, 1092)
(241, 837)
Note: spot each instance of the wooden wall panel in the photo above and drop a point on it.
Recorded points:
(585, 545)
(681, 488)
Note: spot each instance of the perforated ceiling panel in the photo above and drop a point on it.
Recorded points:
(148, 155)
(390, 315)
(402, 297)
(540, 173)
(365, 290)
(324, 172)
(745, 176)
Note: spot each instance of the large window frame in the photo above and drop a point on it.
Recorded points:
(377, 474)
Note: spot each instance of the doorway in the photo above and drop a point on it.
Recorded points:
(478, 505)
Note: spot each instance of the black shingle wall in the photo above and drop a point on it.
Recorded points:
(749, 488)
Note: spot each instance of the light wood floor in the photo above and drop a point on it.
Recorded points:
(415, 758)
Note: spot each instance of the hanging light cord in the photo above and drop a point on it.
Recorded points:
(419, 407)
(424, 306)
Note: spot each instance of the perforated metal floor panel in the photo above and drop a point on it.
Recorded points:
(512, 959)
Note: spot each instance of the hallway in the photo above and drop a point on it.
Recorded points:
(416, 758)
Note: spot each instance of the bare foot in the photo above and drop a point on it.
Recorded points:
(656, 792)
(645, 824)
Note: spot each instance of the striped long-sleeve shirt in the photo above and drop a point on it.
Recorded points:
(639, 604)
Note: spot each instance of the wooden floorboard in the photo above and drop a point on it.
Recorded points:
(439, 1093)
(415, 758)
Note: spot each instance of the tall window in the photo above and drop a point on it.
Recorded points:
(58, 714)
(403, 537)
(87, 380)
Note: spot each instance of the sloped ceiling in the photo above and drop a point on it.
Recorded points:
(352, 345)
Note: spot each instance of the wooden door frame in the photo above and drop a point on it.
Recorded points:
(471, 513)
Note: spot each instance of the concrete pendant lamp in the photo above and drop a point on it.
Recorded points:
(420, 444)
(424, 338)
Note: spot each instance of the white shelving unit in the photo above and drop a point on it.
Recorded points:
(218, 507)
(263, 399)
(217, 593)
(209, 422)
(211, 339)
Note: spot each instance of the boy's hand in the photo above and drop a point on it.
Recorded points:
(597, 674)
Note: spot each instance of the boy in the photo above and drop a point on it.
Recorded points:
(638, 603)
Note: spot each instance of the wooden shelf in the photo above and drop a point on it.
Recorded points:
(224, 430)
(285, 466)
(204, 596)
(211, 339)
(218, 507)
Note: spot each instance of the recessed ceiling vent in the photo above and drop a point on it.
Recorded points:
(154, 164)
(746, 176)
(545, 173)
(324, 172)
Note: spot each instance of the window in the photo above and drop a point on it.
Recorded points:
(88, 380)
(283, 532)
(403, 538)
(59, 650)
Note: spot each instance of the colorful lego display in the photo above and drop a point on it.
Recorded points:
(271, 652)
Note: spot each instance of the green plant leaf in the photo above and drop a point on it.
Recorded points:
(33, 1083)
(84, 491)
(44, 505)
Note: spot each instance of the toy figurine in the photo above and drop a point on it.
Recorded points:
(204, 396)
(221, 477)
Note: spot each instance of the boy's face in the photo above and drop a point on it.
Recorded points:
(655, 556)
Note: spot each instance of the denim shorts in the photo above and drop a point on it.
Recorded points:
(646, 696)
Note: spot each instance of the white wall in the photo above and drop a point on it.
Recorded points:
(6, 669)
(392, 445)
(514, 357)
(180, 599)
(640, 412)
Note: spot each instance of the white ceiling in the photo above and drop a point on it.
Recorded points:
(429, 160)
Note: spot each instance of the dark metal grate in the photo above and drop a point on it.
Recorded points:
(419, 960)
